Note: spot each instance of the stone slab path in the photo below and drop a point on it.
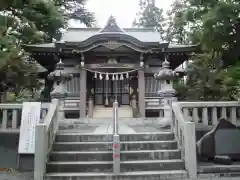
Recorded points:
(108, 129)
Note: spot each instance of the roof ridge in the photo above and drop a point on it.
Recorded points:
(97, 28)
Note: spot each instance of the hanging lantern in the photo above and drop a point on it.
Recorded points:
(117, 77)
(100, 76)
(107, 77)
(121, 77)
(113, 78)
(127, 75)
(95, 75)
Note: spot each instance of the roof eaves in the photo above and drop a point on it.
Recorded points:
(181, 48)
(40, 47)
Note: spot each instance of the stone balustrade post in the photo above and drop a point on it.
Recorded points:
(134, 106)
(40, 152)
(190, 149)
(90, 107)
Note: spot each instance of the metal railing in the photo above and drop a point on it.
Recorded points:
(115, 117)
(116, 140)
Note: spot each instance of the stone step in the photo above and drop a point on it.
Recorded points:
(101, 112)
(217, 168)
(82, 146)
(80, 166)
(81, 156)
(107, 166)
(152, 165)
(108, 155)
(107, 146)
(77, 137)
(163, 136)
(150, 155)
(109, 115)
(111, 110)
(141, 175)
(147, 145)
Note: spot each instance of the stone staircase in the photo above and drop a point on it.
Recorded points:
(107, 112)
(89, 157)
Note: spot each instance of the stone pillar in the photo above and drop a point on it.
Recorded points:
(83, 93)
(134, 106)
(167, 93)
(141, 92)
(90, 107)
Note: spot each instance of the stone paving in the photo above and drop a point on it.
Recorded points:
(29, 176)
(105, 126)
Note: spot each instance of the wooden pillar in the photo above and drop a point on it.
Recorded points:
(141, 92)
(83, 93)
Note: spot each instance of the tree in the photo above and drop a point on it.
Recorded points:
(215, 25)
(208, 80)
(176, 24)
(150, 16)
(31, 22)
(219, 22)
(75, 9)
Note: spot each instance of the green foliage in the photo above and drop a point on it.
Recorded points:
(176, 31)
(219, 22)
(208, 80)
(75, 9)
(150, 16)
(215, 26)
(23, 95)
(31, 22)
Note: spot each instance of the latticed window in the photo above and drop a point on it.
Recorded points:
(73, 86)
(152, 86)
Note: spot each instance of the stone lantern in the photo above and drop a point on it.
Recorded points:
(167, 92)
(59, 78)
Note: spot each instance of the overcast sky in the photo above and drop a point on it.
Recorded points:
(123, 10)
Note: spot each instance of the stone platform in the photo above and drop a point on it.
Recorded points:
(105, 126)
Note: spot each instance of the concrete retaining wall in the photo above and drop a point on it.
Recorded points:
(9, 154)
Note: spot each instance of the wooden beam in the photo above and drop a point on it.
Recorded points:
(112, 66)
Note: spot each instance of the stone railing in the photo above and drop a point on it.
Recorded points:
(10, 116)
(206, 114)
(184, 131)
(153, 103)
(44, 138)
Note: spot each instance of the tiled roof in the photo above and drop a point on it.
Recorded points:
(81, 34)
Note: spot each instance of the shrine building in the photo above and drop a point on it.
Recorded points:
(111, 63)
